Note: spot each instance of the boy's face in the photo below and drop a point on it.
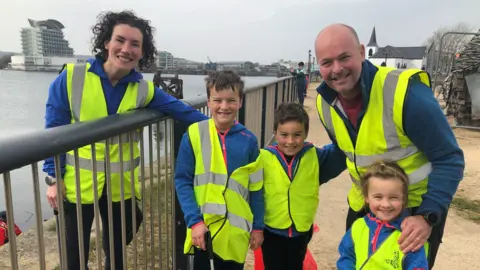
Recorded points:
(290, 137)
(224, 106)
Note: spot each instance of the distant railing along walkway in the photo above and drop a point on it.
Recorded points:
(163, 221)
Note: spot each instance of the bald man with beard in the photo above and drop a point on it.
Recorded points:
(378, 113)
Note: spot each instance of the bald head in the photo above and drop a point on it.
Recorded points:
(335, 28)
(340, 56)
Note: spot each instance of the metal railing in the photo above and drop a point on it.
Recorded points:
(158, 244)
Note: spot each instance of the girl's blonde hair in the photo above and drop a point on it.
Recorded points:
(385, 170)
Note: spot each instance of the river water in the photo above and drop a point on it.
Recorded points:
(23, 96)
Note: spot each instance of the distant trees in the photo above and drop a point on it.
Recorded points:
(451, 43)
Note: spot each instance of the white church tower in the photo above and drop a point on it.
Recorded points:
(372, 46)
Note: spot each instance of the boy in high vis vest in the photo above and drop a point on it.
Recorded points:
(293, 172)
(218, 181)
(372, 241)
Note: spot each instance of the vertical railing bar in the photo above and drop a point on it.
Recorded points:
(62, 249)
(142, 179)
(38, 216)
(172, 194)
(152, 235)
(10, 220)
(122, 202)
(263, 116)
(96, 209)
(167, 226)
(134, 200)
(275, 104)
(108, 174)
(159, 164)
(79, 210)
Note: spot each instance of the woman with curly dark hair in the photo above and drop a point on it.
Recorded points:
(108, 84)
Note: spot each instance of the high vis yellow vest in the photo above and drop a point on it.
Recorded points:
(387, 256)
(87, 102)
(295, 201)
(223, 199)
(381, 135)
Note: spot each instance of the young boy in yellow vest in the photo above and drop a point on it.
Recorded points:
(372, 241)
(293, 172)
(219, 184)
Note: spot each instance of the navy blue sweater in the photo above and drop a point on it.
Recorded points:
(58, 108)
(427, 127)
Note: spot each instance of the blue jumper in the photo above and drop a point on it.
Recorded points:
(379, 231)
(58, 108)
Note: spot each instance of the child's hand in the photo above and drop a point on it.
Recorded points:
(198, 235)
(256, 239)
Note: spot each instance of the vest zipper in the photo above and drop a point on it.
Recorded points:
(290, 176)
(224, 152)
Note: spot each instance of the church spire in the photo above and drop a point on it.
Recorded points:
(373, 39)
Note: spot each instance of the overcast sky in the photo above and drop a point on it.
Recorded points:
(257, 30)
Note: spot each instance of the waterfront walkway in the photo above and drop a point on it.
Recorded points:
(461, 235)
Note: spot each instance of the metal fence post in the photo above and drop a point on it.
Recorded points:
(275, 104)
(181, 260)
(264, 114)
(241, 112)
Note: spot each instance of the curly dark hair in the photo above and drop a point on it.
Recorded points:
(102, 32)
(291, 111)
(225, 79)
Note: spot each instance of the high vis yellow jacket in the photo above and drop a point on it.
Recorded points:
(381, 135)
(87, 102)
(291, 198)
(223, 198)
(373, 244)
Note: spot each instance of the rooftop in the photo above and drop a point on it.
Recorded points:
(417, 52)
(49, 24)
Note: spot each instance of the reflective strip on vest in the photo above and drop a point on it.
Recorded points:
(87, 164)
(78, 80)
(220, 179)
(395, 151)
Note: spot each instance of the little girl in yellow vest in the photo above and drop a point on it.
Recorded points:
(372, 241)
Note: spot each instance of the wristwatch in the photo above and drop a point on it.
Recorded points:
(50, 180)
(432, 218)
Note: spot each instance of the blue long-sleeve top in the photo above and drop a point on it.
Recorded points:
(379, 231)
(427, 128)
(241, 149)
(331, 161)
(58, 108)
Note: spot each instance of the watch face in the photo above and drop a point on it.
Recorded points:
(432, 218)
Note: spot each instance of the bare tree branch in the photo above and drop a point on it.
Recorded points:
(451, 43)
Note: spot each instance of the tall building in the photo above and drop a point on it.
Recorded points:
(45, 38)
(164, 60)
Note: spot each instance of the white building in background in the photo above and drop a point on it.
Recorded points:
(44, 48)
(45, 38)
(396, 57)
(164, 60)
(44, 63)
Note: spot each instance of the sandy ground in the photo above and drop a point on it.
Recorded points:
(461, 236)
